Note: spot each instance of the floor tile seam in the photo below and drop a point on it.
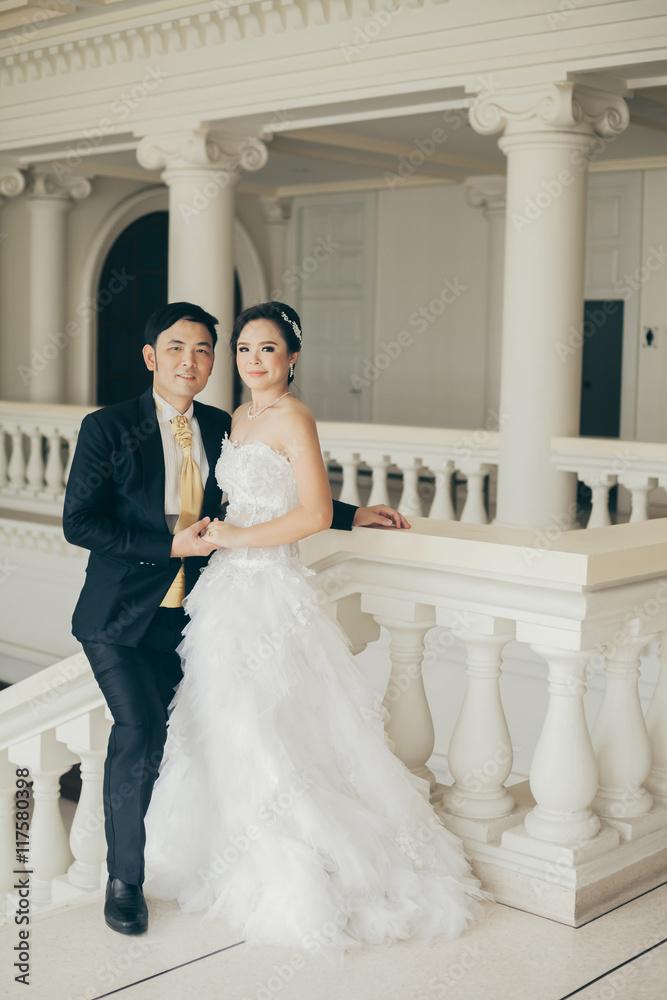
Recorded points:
(604, 975)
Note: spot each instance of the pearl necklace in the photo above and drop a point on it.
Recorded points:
(253, 416)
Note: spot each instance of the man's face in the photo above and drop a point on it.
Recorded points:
(181, 362)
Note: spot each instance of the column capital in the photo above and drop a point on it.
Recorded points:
(202, 149)
(45, 185)
(487, 192)
(277, 210)
(563, 106)
(12, 182)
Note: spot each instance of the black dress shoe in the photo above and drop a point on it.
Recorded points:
(125, 907)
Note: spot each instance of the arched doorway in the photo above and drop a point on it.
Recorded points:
(132, 285)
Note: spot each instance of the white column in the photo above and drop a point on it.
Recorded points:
(548, 132)
(49, 200)
(640, 485)
(410, 724)
(488, 193)
(563, 772)
(202, 169)
(277, 213)
(621, 739)
(656, 725)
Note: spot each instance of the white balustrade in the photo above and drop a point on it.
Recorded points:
(621, 738)
(40, 441)
(410, 725)
(656, 726)
(87, 738)
(49, 852)
(563, 773)
(480, 748)
(639, 466)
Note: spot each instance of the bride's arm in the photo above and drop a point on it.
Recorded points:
(315, 508)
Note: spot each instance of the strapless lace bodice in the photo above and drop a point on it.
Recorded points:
(259, 481)
(261, 486)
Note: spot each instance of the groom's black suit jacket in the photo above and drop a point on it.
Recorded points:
(114, 506)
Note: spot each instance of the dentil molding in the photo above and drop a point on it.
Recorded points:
(229, 21)
(563, 106)
(202, 149)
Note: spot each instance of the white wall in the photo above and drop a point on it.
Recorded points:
(652, 362)
(425, 237)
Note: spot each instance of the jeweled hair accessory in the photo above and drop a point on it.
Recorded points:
(295, 325)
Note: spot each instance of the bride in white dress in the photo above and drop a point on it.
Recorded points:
(280, 807)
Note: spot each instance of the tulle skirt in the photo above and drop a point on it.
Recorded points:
(279, 806)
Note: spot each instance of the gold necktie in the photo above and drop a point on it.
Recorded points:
(192, 495)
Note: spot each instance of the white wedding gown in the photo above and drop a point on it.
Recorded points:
(279, 806)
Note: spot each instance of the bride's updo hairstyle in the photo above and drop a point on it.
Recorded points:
(273, 311)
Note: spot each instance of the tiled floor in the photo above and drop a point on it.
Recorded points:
(509, 955)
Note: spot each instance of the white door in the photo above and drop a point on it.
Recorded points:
(335, 265)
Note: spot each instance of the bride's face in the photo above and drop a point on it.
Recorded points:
(262, 356)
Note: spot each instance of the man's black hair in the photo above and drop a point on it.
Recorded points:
(165, 317)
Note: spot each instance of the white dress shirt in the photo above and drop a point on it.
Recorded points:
(173, 457)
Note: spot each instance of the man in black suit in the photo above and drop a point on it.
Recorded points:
(123, 502)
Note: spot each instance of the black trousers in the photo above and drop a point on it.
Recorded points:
(138, 684)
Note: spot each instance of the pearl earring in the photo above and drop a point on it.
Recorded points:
(291, 370)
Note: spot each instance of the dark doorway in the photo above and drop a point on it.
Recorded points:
(601, 377)
(602, 369)
(133, 284)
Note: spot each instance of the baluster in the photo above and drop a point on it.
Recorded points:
(656, 725)
(8, 838)
(410, 503)
(71, 439)
(563, 772)
(350, 490)
(480, 749)
(621, 738)
(16, 468)
(379, 493)
(474, 511)
(640, 485)
(3, 458)
(442, 506)
(599, 484)
(410, 725)
(54, 465)
(87, 737)
(49, 852)
(35, 464)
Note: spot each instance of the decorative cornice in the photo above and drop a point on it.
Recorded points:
(12, 182)
(45, 185)
(202, 149)
(487, 191)
(549, 108)
(218, 22)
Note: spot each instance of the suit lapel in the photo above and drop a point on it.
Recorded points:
(152, 455)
